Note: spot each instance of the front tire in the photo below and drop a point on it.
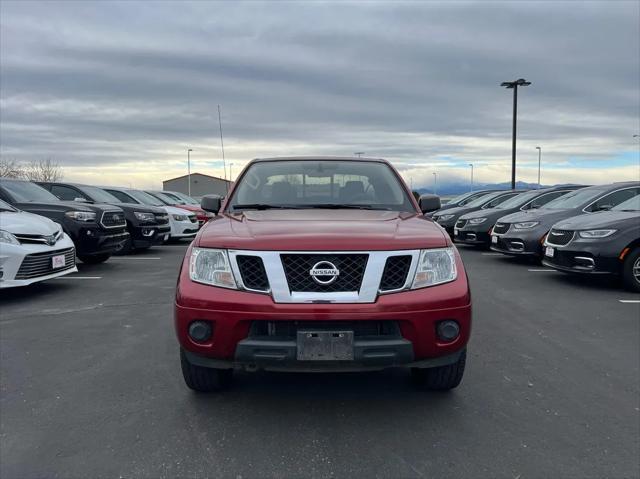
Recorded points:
(94, 258)
(204, 380)
(442, 378)
(631, 270)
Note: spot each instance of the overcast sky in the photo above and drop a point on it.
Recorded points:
(117, 92)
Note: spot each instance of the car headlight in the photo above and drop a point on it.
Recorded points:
(140, 216)
(435, 266)
(444, 217)
(180, 217)
(84, 216)
(526, 225)
(211, 266)
(593, 234)
(6, 237)
(477, 221)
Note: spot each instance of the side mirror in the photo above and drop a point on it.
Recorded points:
(429, 203)
(211, 203)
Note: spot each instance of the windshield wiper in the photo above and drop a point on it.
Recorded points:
(263, 206)
(343, 206)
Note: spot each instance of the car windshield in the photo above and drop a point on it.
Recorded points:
(519, 200)
(167, 199)
(459, 198)
(484, 199)
(335, 184)
(145, 198)
(632, 204)
(99, 195)
(6, 206)
(575, 199)
(26, 192)
(181, 196)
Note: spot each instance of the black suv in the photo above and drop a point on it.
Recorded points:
(447, 218)
(607, 242)
(141, 220)
(475, 228)
(523, 233)
(97, 230)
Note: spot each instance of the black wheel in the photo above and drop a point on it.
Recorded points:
(204, 380)
(631, 270)
(125, 248)
(441, 378)
(94, 258)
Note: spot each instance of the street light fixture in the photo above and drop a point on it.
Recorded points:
(471, 165)
(539, 158)
(189, 170)
(514, 86)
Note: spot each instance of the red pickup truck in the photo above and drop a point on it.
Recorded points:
(321, 264)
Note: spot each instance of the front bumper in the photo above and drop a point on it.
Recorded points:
(583, 260)
(145, 236)
(184, 229)
(517, 245)
(95, 240)
(471, 236)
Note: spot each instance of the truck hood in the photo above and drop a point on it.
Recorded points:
(23, 223)
(602, 219)
(322, 230)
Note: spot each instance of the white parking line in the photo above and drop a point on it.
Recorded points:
(492, 254)
(79, 277)
(632, 301)
(131, 257)
(541, 270)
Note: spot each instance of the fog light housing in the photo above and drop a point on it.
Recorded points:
(200, 331)
(448, 330)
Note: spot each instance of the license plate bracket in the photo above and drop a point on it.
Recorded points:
(494, 239)
(314, 345)
(549, 252)
(58, 261)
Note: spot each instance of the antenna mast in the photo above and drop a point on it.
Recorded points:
(224, 164)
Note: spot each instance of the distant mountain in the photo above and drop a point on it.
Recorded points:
(450, 189)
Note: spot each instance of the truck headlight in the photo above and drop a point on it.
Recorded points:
(593, 234)
(444, 217)
(211, 266)
(526, 225)
(140, 216)
(477, 221)
(180, 217)
(84, 216)
(6, 237)
(435, 266)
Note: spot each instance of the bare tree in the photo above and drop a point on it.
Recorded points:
(44, 170)
(11, 169)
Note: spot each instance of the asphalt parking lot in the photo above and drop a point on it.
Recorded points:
(91, 387)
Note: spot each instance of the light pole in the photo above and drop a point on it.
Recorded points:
(435, 183)
(514, 86)
(539, 159)
(189, 170)
(471, 165)
(359, 154)
(230, 166)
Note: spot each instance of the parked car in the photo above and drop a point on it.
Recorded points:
(144, 230)
(475, 228)
(607, 242)
(448, 218)
(321, 264)
(171, 200)
(461, 200)
(177, 223)
(97, 230)
(523, 233)
(32, 248)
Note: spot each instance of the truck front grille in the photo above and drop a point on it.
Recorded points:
(162, 218)
(559, 237)
(41, 264)
(253, 273)
(461, 223)
(297, 268)
(289, 329)
(395, 272)
(501, 228)
(113, 219)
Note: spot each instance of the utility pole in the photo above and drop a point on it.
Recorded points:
(189, 170)
(539, 161)
(359, 154)
(514, 86)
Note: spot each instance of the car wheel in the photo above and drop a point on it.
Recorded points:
(124, 248)
(441, 378)
(631, 270)
(94, 258)
(204, 380)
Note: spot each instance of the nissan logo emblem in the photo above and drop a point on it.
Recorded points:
(324, 272)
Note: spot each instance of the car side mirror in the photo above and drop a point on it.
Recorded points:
(429, 203)
(211, 203)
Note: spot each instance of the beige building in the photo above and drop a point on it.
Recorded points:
(200, 185)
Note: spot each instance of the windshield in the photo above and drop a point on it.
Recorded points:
(320, 184)
(459, 198)
(25, 192)
(145, 198)
(632, 204)
(99, 195)
(186, 198)
(484, 199)
(519, 200)
(167, 199)
(575, 199)
(6, 206)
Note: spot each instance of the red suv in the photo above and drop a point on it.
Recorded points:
(321, 264)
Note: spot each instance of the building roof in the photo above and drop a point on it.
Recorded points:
(193, 174)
